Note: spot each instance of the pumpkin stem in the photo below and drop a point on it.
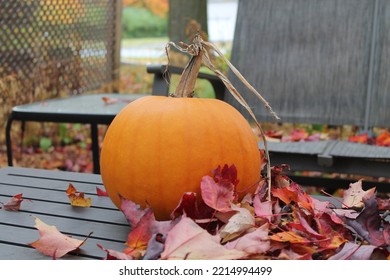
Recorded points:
(190, 73)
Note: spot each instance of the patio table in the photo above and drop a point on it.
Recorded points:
(45, 198)
(84, 108)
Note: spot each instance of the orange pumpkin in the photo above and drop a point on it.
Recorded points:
(159, 147)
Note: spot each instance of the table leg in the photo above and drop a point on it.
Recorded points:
(95, 148)
(8, 140)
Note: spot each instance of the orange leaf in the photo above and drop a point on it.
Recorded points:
(288, 236)
(52, 242)
(77, 198)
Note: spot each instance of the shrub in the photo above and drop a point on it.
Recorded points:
(140, 22)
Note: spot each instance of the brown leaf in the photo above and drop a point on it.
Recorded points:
(353, 196)
(52, 242)
(14, 203)
(77, 198)
(238, 224)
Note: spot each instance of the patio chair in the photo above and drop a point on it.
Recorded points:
(318, 62)
(69, 48)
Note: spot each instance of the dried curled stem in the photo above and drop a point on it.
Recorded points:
(198, 51)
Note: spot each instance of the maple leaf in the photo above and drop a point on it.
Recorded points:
(132, 211)
(217, 195)
(352, 251)
(77, 198)
(155, 247)
(115, 255)
(383, 139)
(353, 196)
(14, 203)
(227, 175)
(187, 240)
(255, 242)
(101, 192)
(193, 208)
(238, 224)
(362, 138)
(52, 242)
(262, 209)
(368, 224)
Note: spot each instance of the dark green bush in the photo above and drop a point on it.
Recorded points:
(139, 22)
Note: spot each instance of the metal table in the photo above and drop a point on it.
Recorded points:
(85, 109)
(49, 202)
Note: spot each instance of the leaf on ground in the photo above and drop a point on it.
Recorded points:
(187, 240)
(52, 242)
(288, 236)
(217, 195)
(353, 196)
(14, 203)
(262, 209)
(352, 251)
(77, 198)
(255, 242)
(238, 224)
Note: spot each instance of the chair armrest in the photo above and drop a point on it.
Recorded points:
(161, 87)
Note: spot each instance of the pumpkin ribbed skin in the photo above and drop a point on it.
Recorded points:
(159, 147)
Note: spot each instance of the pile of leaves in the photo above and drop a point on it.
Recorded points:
(223, 224)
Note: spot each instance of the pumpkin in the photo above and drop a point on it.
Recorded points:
(159, 147)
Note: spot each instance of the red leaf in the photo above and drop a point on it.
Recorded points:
(132, 211)
(14, 203)
(101, 192)
(52, 242)
(217, 195)
(115, 255)
(228, 175)
(192, 207)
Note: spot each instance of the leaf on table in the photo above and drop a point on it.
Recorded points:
(193, 208)
(14, 203)
(132, 211)
(143, 231)
(155, 247)
(238, 224)
(369, 224)
(115, 255)
(227, 175)
(77, 198)
(187, 240)
(353, 196)
(101, 192)
(262, 209)
(217, 195)
(352, 251)
(52, 242)
(288, 236)
(383, 204)
(255, 242)
(109, 100)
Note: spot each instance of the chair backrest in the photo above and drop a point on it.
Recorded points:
(67, 45)
(316, 61)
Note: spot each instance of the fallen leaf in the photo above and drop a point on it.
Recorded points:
(352, 251)
(353, 196)
(155, 247)
(263, 209)
(187, 240)
(132, 211)
(52, 242)
(77, 198)
(101, 192)
(255, 242)
(192, 207)
(238, 224)
(14, 203)
(115, 255)
(368, 223)
(217, 195)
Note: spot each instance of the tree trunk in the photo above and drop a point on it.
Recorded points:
(182, 17)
